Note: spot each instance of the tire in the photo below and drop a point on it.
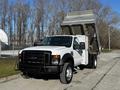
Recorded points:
(67, 74)
(92, 62)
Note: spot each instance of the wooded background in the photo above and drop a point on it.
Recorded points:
(27, 21)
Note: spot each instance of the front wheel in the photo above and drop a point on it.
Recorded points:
(66, 74)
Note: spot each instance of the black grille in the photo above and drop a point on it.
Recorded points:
(36, 57)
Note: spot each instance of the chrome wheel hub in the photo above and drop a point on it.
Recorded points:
(69, 73)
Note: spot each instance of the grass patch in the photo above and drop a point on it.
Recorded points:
(106, 50)
(7, 67)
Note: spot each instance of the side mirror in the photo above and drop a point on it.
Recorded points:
(37, 44)
(82, 45)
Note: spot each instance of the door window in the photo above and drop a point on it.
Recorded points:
(76, 46)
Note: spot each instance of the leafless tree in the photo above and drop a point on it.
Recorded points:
(3, 12)
(21, 17)
(39, 16)
(9, 24)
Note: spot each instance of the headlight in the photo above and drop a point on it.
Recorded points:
(55, 59)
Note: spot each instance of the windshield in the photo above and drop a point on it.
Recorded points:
(57, 41)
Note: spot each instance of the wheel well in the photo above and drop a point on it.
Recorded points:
(68, 58)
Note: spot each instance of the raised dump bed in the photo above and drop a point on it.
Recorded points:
(82, 23)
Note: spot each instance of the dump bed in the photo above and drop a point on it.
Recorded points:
(79, 17)
(82, 23)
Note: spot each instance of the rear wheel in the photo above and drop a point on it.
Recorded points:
(92, 61)
(66, 74)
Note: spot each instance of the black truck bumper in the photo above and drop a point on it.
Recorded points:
(40, 69)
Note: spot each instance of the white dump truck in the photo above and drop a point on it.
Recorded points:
(78, 46)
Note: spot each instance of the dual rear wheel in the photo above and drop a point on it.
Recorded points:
(92, 63)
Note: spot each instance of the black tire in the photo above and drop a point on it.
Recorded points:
(67, 74)
(92, 61)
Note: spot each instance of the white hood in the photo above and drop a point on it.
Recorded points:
(53, 49)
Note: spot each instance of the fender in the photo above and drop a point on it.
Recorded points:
(67, 58)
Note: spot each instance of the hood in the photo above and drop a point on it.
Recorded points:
(53, 49)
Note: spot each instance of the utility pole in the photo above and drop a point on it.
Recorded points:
(109, 39)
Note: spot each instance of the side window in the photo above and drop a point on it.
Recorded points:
(75, 44)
